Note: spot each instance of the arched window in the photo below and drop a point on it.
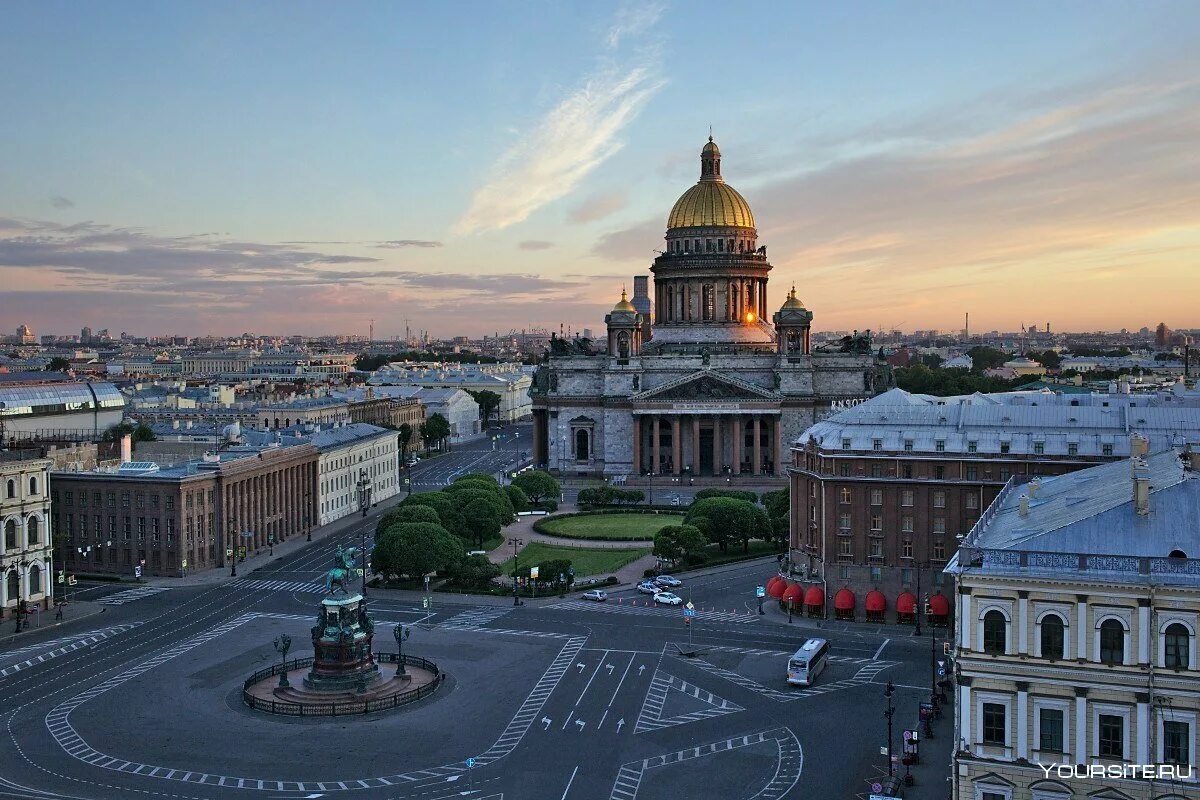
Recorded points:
(33, 485)
(11, 489)
(1112, 642)
(995, 632)
(1053, 636)
(1176, 646)
(10, 535)
(31, 531)
(35, 580)
(13, 582)
(581, 445)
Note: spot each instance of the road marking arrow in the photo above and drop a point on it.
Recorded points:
(620, 722)
(610, 668)
(581, 724)
(641, 669)
(581, 666)
(452, 778)
(546, 721)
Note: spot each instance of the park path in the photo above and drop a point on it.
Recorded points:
(631, 573)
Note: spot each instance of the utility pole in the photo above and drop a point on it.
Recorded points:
(371, 335)
(888, 692)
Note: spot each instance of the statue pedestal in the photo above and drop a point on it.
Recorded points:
(342, 647)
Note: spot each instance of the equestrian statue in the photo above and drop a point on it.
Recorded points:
(344, 563)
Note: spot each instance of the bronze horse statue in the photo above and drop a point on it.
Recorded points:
(344, 563)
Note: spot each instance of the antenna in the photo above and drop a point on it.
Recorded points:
(371, 336)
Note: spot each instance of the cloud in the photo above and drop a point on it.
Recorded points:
(597, 207)
(634, 243)
(60, 202)
(535, 244)
(632, 19)
(397, 244)
(571, 140)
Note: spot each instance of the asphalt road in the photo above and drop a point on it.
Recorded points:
(501, 450)
(562, 700)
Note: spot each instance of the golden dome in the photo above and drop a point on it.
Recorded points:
(792, 301)
(711, 202)
(624, 305)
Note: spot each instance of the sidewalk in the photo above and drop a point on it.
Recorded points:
(74, 612)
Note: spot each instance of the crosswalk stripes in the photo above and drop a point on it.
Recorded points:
(757, 652)
(653, 611)
(69, 644)
(873, 668)
(789, 763)
(475, 617)
(744, 682)
(277, 586)
(129, 595)
(650, 717)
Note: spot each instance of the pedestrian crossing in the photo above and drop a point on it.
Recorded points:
(475, 617)
(58, 647)
(650, 718)
(129, 595)
(653, 611)
(277, 586)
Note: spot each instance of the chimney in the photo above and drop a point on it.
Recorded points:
(1141, 489)
(1191, 457)
(1123, 386)
(1139, 446)
(1024, 508)
(126, 448)
(175, 424)
(1034, 486)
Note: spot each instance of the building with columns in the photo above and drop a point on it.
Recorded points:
(706, 386)
(1078, 610)
(26, 550)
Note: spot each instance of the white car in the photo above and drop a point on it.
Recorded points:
(595, 594)
(668, 598)
(648, 587)
(668, 581)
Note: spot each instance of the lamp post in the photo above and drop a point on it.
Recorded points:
(516, 545)
(917, 611)
(650, 484)
(283, 643)
(364, 503)
(888, 691)
(401, 632)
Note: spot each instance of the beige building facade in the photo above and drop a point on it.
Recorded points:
(26, 557)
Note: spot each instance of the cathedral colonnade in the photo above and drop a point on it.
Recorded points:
(707, 443)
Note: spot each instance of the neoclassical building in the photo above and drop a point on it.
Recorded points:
(26, 561)
(710, 387)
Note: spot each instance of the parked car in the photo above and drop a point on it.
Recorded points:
(648, 587)
(596, 595)
(668, 598)
(668, 581)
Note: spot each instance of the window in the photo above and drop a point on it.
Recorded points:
(1005, 447)
(876, 548)
(845, 444)
(877, 444)
(845, 495)
(972, 447)
(1005, 473)
(971, 502)
(877, 497)
(844, 470)
(1107, 449)
(972, 473)
(939, 499)
(1176, 646)
(906, 549)
(876, 574)
(906, 497)
(1176, 739)
(906, 471)
(844, 521)
(908, 445)
(31, 528)
(940, 446)
(939, 472)
(906, 523)
(939, 553)
(33, 485)
(1072, 448)
(876, 522)
(1050, 730)
(995, 630)
(844, 546)
(993, 724)
(1039, 448)
(1053, 636)
(1112, 642)
(906, 576)
(877, 470)
(1111, 735)
(939, 524)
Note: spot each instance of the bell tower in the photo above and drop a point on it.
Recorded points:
(624, 329)
(793, 323)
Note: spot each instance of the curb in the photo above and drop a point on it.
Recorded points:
(21, 636)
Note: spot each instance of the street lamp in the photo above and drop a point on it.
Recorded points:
(917, 611)
(401, 632)
(283, 643)
(888, 691)
(516, 545)
(364, 503)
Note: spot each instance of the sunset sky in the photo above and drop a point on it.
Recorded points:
(301, 167)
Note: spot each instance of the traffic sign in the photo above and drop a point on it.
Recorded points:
(876, 788)
(470, 763)
(185, 563)
(137, 572)
(689, 606)
(229, 552)
(760, 591)
(533, 573)
(689, 612)
(941, 673)
(71, 581)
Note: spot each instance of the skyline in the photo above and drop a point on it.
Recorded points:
(301, 169)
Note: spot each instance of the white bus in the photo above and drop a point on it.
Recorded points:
(806, 663)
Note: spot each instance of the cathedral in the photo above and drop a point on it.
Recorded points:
(706, 381)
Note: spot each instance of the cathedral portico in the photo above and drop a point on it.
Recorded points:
(707, 387)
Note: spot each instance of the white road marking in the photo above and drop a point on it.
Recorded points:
(599, 663)
(129, 595)
(879, 652)
(569, 782)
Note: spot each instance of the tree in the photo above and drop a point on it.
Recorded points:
(778, 508)
(407, 513)
(58, 364)
(482, 520)
(485, 485)
(435, 429)
(406, 437)
(138, 433)
(488, 402)
(474, 572)
(680, 542)
(415, 549)
(726, 519)
(518, 498)
(985, 358)
(537, 485)
(446, 508)
(1047, 358)
(738, 494)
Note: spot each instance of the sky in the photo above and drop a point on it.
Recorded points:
(473, 167)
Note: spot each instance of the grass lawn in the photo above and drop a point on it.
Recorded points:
(632, 526)
(586, 561)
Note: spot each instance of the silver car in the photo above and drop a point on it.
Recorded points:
(668, 581)
(596, 595)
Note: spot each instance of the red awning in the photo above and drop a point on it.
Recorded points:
(794, 594)
(844, 600)
(875, 601)
(906, 603)
(776, 587)
(939, 605)
(814, 597)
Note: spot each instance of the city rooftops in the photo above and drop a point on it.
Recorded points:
(303, 403)
(1039, 422)
(1121, 520)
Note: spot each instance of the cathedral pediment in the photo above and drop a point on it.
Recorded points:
(703, 386)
